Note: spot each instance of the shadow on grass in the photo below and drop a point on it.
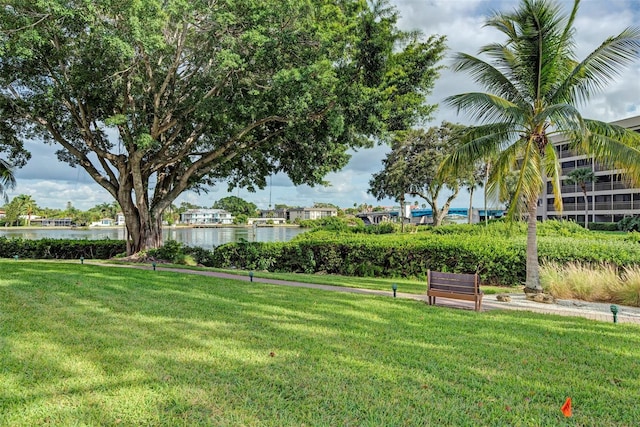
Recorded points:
(141, 347)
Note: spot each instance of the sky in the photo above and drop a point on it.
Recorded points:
(53, 184)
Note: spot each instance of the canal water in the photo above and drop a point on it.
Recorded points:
(206, 238)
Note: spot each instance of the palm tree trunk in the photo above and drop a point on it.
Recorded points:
(486, 184)
(470, 211)
(586, 210)
(532, 282)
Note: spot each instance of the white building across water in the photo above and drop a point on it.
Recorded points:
(206, 216)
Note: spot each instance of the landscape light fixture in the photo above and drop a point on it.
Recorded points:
(154, 265)
(251, 276)
(614, 310)
(395, 288)
(15, 257)
(81, 260)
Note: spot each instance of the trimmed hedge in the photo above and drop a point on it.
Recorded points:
(603, 226)
(60, 248)
(498, 259)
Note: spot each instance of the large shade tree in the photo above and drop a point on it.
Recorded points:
(534, 84)
(155, 97)
(411, 167)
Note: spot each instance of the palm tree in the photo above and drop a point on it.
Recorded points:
(7, 180)
(474, 179)
(533, 83)
(582, 176)
(26, 206)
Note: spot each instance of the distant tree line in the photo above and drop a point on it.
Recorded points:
(22, 209)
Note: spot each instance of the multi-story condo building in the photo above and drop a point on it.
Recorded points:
(610, 198)
(206, 216)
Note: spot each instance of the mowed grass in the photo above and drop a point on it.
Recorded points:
(408, 286)
(94, 345)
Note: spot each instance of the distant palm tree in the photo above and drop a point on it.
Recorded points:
(7, 180)
(26, 206)
(581, 177)
(474, 179)
(534, 82)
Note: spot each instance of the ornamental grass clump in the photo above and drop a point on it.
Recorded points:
(629, 293)
(580, 281)
(592, 282)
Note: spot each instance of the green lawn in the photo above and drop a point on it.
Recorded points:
(93, 345)
(409, 286)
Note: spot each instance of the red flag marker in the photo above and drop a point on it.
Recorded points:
(566, 408)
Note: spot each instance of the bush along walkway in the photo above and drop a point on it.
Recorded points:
(594, 311)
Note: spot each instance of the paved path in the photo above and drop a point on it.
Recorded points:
(589, 310)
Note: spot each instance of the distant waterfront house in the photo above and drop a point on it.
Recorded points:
(56, 222)
(291, 214)
(206, 216)
(104, 222)
(266, 220)
(119, 219)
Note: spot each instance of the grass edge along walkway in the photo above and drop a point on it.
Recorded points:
(593, 311)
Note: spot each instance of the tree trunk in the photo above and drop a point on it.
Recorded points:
(486, 184)
(143, 236)
(436, 213)
(470, 211)
(586, 208)
(144, 230)
(532, 283)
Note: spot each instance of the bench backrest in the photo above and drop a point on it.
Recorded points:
(454, 282)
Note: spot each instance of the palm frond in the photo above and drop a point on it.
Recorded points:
(476, 143)
(488, 76)
(505, 164)
(553, 172)
(7, 178)
(486, 107)
(531, 177)
(615, 145)
(600, 67)
(565, 118)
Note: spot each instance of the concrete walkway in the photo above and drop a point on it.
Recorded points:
(576, 308)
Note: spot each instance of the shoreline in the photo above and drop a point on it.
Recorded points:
(164, 227)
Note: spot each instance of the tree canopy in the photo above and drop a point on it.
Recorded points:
(236, 206)
(155, 97)
(535, 85)
(411, 167)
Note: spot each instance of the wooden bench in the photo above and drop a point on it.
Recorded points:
(453, 285)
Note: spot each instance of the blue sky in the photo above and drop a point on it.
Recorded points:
(53, 184)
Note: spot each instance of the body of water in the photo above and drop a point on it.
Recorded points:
(207, 238)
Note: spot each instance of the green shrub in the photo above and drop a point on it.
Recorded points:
(630, 223)
(170, 251)
(60, 248)
(603, 226)
(333, 223)
(382, 228)
(498, 257)
(199, 255)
